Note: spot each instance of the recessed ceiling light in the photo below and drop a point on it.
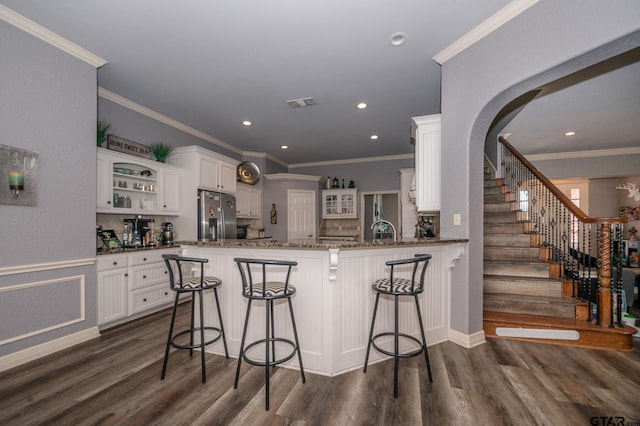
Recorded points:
(284, 146)
(374, 137)
(571, 133)
(361, 105)
(397, 39)
(246, 123)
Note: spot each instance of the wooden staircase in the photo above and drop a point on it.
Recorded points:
(523, 291)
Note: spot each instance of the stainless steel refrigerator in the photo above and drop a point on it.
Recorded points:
(216, 216)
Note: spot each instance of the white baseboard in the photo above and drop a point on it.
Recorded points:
(467, 340)
(17, 358)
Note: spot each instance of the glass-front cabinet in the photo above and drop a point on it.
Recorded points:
(339, 203)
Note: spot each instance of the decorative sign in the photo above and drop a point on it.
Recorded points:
(116, 143)
(18, 176)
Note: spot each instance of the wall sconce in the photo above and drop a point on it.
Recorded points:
(16, 183)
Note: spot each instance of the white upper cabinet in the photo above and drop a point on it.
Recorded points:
(248, 203)
(170, 191)
(130, 185)
(340, 203)
(425, 134)
(211, 172)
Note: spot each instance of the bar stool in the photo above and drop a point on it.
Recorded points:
(195, 285)
(400, 287)
(267, 290)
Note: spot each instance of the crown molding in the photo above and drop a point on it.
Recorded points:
(106, 94)
(292, 176)
(491, 24)
(264, 155)
(584, 154)
(353, 161)
(38, 31)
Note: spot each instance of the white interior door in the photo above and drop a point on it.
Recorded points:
(301, 213)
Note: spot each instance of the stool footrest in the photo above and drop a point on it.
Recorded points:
(266, 342)
(400, 355)
(195, 330)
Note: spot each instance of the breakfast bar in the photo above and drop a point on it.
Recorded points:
(334, 301)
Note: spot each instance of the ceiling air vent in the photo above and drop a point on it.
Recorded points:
(295, 103)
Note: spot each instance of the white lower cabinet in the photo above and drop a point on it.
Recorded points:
(113, 288)
(129, 285)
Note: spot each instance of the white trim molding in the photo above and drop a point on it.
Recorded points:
(26, 355)
(80, 279)
(36, 267)
(491, 24)
(38, 31)
(354, 161)
(467, 340)
(292, 176)
(584, 154)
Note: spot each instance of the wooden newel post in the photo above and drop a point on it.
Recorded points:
(604, 299)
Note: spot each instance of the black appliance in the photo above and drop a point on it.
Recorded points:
(243, 230)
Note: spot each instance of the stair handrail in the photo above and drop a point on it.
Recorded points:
(606, 227)
(577, 212)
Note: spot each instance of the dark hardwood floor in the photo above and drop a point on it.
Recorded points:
(115, 379)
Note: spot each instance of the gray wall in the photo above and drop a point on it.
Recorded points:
(368, 176)
(548, 41)
(48, 105)
(591, 167)
(139, 128)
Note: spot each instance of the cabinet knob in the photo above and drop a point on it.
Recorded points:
(164, 206)
(144, 259)
(108, 201)
(144, 277)
(144, 300)
(115, 263)
(126, 275)
(166, 293)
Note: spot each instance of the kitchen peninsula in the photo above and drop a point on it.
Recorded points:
(333, 302)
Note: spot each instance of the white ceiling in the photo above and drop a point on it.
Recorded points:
(213, 64)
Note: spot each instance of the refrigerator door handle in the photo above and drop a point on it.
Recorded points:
(222, 224)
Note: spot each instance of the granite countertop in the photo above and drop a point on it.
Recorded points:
(316, 244)
(106, 250)
(297, 244)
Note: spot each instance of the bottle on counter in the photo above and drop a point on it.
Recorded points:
(125, 236)
(136, 239)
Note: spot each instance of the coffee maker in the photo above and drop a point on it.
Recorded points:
(139, 232)
(167, 234)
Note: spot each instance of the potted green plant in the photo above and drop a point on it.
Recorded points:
(102, 130)
(161, 151)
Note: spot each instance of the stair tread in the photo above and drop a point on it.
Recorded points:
(525, 320)
(526, 298)
(516, 279)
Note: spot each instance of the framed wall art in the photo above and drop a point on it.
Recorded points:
(18, 176)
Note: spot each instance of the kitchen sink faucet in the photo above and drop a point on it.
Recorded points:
(393, 228)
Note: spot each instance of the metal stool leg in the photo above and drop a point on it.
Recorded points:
(166, 351)
(268, 308)
(273, 332)
(241, 354)
(224, 337)
(373, 322)
(396, 347)
(204, 373)
(193, 305)
(295, 335)
(424, 340)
